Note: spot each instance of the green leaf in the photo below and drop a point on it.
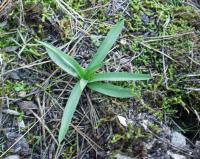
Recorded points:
(111, 90)
(119, 76)
(70, 108)
(107, 44)
(64, 61)
(89, 73)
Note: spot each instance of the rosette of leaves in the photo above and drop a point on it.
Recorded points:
(88, 77)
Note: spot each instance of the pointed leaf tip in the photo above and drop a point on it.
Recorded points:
(63, 60)
(70, 108)
(107, 44)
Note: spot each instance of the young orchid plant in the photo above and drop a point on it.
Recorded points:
(88, 77)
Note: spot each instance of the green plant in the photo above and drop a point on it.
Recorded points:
(19, 86)
(89, 77)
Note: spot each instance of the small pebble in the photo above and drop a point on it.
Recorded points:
(22, 94)
(178, 139)
(12, 157)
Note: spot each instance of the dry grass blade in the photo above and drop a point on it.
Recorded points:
(69, 10)
(40, 119)
(93, 113)
(6, 151)
(2, 94)
(4, 4)
(26, 66)
(91, 142)
(162, 53)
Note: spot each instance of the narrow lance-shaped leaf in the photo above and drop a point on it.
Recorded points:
(70, 108)
(107, 44)
(93, 70)
(64, 61)
(119, 76)
(111, 90)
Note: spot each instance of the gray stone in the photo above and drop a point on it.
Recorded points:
(119, 156)
(12, 157)
(175, 156)
(178, 139)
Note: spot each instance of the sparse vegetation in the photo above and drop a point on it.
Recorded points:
(160, 38)
(89, 77)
